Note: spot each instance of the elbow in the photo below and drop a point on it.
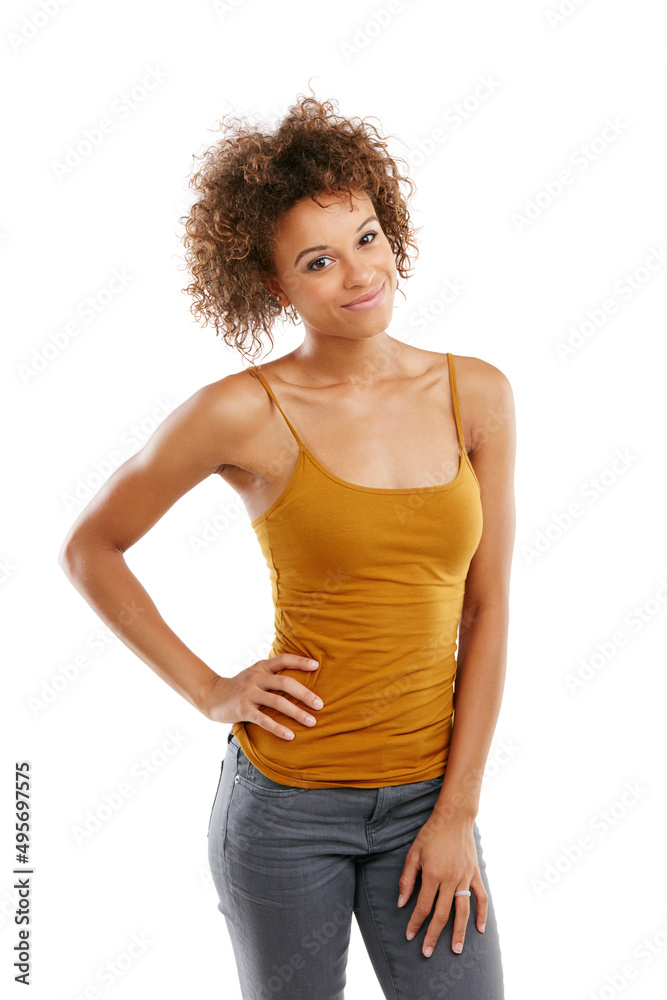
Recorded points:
(481, 611)
(74, 551)
(68, 556)
(80, 548)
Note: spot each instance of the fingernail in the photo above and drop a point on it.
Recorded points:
(314, 663)
(458, 947)
(400, 901)
(410, 935)
(318, 703)
(482, 928)
(428, 951)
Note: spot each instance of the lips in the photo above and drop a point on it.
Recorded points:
(366, 301)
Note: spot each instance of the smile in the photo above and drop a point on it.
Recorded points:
(368, 303)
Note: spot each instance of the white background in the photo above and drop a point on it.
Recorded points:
(560, 757)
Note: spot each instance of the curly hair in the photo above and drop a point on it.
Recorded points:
(249, 179)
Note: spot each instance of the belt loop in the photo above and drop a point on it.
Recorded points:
(233, 747)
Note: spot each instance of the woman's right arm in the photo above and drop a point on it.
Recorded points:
(210, 429)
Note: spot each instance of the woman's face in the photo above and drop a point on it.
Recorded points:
(326, 257)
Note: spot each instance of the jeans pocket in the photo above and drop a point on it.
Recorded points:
(251, 777)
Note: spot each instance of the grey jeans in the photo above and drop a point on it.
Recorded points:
(291, 865)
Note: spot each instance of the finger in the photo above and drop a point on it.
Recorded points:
(274, 700)
(291, 661)
(481, 899)
(440, 918)
(461, 915)
(294, 687)
(406, 881)
(266, 722)
(423, 908)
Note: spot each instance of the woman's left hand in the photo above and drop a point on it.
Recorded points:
(445, 851)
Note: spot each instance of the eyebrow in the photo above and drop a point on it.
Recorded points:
(314, 249)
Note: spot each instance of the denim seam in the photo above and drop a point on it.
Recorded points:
(235, 757)
(217, 791)
(377, 929)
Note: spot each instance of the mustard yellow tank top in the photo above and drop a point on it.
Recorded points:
(369, 582)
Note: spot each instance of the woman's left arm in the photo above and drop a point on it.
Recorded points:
(444, 849)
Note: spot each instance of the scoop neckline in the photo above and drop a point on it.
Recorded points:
(305, 452)
(380, 489)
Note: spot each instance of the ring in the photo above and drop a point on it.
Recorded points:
(462, 892)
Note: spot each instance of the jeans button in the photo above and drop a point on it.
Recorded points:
(236, 778)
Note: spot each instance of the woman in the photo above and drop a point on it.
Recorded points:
(378, 478)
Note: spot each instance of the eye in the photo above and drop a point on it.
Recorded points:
(311, 266)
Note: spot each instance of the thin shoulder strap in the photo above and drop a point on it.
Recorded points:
(268, 388)
(455, 401)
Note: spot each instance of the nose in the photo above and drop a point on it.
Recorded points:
(359, 274)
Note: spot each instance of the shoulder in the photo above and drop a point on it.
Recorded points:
(475, 379)
(228, 413)
(237, 397)
(479, 377)
(486, 399)
(473, 373)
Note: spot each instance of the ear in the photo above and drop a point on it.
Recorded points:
(273, 287)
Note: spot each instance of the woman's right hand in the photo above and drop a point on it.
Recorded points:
(241, 698)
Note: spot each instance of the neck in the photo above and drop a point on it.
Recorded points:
(329, 359)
